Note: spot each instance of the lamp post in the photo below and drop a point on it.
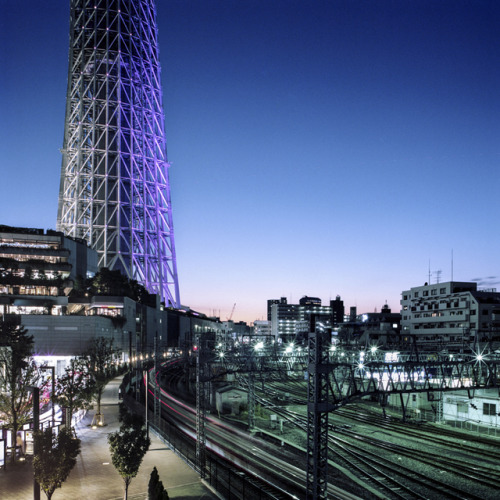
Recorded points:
(53, 369)
(146, 377)
(35, 392)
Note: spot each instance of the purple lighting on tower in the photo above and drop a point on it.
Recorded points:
(115, 190)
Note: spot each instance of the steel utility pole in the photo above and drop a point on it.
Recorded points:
(157, 403)
(201, 412)
(317, 418)
(35, 393)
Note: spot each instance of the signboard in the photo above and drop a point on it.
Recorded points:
(29, 443)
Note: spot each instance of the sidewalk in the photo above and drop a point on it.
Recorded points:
(94, 476)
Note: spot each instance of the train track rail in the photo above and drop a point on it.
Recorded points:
(363, 454)
(386, 468)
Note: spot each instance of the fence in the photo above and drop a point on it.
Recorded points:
(230, 483)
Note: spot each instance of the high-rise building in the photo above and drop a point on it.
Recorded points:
(337, 306)
(294, 321)
(270, 303)
(115, 190)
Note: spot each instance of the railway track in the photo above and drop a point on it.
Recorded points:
(275, 470)
(392, 470)
(378, 461)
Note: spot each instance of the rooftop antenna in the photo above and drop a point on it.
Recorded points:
(452, 264)
(429, 280)
(438, 275)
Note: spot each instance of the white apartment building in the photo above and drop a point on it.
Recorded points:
(454, 314)
(262, 327)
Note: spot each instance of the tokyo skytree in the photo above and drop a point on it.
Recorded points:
(115, 190)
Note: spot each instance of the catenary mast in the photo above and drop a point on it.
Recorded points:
(115, 190)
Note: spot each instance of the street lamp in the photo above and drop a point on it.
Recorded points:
(53, 369)
(35, 392)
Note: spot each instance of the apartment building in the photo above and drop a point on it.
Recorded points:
(455, 315)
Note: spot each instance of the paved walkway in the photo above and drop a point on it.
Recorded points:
(94, 476)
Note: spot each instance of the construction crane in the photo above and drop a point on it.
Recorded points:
(230, 317)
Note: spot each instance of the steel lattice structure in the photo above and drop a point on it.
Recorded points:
(337, 376)
(317, 418)
(114, 189)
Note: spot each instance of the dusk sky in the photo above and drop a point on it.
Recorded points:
(318, 148)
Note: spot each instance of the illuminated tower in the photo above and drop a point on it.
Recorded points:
(115, 190)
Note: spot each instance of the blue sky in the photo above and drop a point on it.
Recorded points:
(317, 147)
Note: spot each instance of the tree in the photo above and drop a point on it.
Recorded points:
(156, 490)
(55, 457)
(98, 361)
(109, 282)
(112, 282)
(128, 446)
(74, 389)
(127, 418)
(17, 375)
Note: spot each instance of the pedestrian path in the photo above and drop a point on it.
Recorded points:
(94, 476)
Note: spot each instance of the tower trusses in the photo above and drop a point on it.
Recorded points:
(114, 189)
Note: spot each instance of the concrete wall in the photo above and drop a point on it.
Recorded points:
(70, 335)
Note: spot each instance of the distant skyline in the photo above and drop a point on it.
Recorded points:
(318, 148)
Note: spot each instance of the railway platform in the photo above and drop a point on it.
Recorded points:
(94, 475)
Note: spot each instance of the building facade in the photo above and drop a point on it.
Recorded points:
(38, 273)
(338, 311)
(38, 269)
(292, 322)
(114, 190)
(262, 328)
(455, 315)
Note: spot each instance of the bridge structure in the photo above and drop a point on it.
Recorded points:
(336, 375)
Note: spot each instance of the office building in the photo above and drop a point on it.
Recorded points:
(292, 322)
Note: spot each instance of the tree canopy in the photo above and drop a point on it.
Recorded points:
(74, 389)
(17, 374)
(98, 362)
(55, 457)
(156, 490)
(114, 283)
(128, 446)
